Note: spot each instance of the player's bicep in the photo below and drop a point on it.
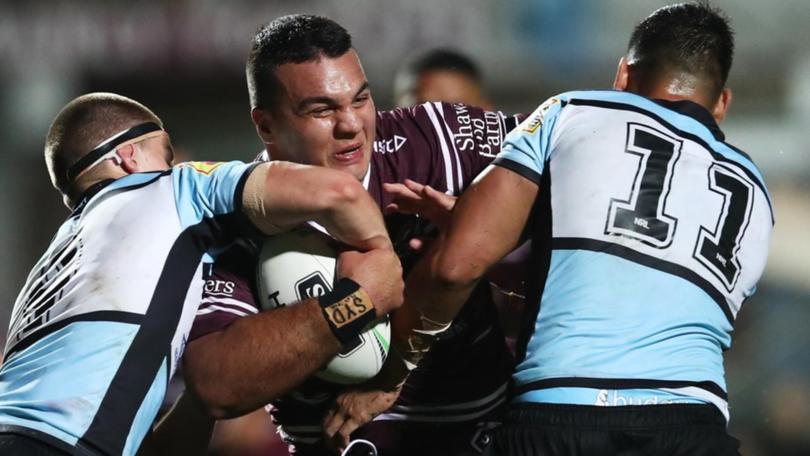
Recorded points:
(487, 223)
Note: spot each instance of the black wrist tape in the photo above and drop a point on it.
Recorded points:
(347, 309)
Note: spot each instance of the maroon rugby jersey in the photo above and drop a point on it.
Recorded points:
(464, 376)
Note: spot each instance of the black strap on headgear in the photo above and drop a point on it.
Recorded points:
(98, 152)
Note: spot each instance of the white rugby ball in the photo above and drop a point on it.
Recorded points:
(300, 264)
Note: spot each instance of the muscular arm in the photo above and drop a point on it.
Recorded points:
(258, 358)
(486, 224)
(281, 195)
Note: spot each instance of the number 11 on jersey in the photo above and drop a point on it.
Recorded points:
(643, 216)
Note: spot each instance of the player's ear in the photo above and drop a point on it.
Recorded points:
(622, 75)
(262, 120)
(125, 158)
(722, 104)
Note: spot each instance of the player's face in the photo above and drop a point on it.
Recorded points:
(325, 115)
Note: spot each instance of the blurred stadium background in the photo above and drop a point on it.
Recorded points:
(184, 59)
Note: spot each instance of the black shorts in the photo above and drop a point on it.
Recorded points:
(555, 429)
(408, 438)
(23, 445)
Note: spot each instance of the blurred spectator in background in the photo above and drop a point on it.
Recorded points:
(440, 75)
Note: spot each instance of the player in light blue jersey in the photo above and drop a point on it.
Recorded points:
(102, 321)
(649, 232)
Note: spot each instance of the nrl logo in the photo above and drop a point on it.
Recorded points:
(533, 123)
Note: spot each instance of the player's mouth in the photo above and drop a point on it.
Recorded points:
(350, 155)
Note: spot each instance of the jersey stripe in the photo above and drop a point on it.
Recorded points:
(449, 138)
(448, 164)
(116, 413)
(103, 315)
(213, 308)
(618, 383)
(649, 261)
(519, 168)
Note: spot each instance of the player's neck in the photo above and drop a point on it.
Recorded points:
(677, 87)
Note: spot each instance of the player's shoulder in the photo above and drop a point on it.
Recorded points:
(208, 189)
(411, 120)
(603, 98)
(206, 168)
(436, 115)
(684, 118)
(202, 174)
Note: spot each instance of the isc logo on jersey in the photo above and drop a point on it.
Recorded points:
(535, 121)
(300, 264)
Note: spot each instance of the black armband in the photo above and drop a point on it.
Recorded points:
(348, 310)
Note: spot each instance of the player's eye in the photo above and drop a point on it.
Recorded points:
(361, 99)
(322, 111)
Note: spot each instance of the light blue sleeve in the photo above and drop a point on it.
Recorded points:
(208, 189)
(527, 147)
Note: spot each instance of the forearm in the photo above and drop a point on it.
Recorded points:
(430, 307)
(279, 196)
(486, 224)
(258, 358)
(355, 219)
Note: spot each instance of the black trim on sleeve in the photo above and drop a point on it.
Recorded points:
(538, 229)
(516, 167)
(617, 383)
(240, 186)
(241, 223)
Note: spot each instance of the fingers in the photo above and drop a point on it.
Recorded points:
(340, 423)
(442, 199)
(401, 191)
(332, 425)
(414, 186)
(405, 200)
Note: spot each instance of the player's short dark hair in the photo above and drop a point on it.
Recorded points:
(296, 38)
(443, 60)
(83, 124)
(691, 37)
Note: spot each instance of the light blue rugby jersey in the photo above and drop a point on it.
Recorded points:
(650, 233)
(100, 325)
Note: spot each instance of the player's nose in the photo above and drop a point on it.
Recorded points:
(349, 123)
